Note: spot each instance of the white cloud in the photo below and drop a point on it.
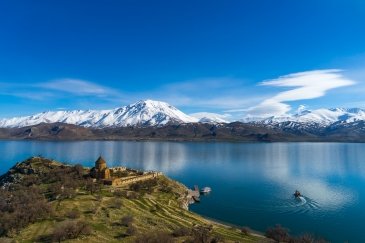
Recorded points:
(60, 88)
(305, 85)
(77, 87)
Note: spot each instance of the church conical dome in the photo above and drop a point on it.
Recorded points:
(100, 163)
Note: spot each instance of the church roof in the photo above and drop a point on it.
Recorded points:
(100, 160)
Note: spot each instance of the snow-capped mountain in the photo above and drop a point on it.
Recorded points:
(157, 113)
(319, 117)
(142, 113)
(207, 117)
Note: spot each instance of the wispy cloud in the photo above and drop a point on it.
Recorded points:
(304, 85)
(58, 89)
(77, 87)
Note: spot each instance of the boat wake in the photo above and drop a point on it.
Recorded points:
(287, 206)
(291, 205)
(301, 201)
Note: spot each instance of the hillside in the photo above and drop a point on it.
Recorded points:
(237, 131)
(43, 200)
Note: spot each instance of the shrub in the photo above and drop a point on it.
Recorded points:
(6, 240)
(20, 207)
(91, 186)
(120, 193)
(277, 233)
(70, 230)
(79, 169)
(182, 231)
(135, 187)
(201, 234)
(216, 239)
(245, 231)
(116, 203)
(155, 237)
(127, 220)
(147, 185)
(306, 238)
(121, 174)
(131, 230)
(167, 189)
(73, 214)
(132, 195)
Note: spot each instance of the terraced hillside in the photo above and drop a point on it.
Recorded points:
(83, 211)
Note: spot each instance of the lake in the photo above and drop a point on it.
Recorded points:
(252, 184)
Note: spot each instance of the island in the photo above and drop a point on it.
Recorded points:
(42, 200)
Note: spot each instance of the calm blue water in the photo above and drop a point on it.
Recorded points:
(252, 183)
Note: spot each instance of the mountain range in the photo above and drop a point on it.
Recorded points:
(141, 113)
(147, 118)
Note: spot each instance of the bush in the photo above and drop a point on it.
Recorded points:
(182, 231)
(127, 220)
(155, 237)
(245, 231)
(73, 214)
(216, 239)
(120, 193)
(306, 238)
(132, 195)
(167, 189)
(91, 186)
(277, 233)
(6, 240)
(70, 230)
(131, 230)
(20, 207)
(147, 185)
(79, 169)
(120, 174)
(202, 234)
(116, 203)
(135, 187)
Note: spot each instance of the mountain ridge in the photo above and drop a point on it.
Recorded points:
(234, 132)
(141, 113)
(159, 120)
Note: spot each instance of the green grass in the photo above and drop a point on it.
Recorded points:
(152, 212)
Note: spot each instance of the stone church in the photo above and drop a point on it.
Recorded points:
(100, 171)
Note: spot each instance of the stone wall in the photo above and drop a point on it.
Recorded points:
(125, 181)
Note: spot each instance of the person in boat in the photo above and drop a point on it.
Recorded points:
(297, 193)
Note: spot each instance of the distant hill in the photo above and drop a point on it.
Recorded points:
(150, 120)
(236, 131)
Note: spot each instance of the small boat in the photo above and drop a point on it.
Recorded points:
(206, 190)
(297, 194)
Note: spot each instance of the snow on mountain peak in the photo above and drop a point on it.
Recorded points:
(322, 117)
(207, 117)
(141, 113)
(158, 113)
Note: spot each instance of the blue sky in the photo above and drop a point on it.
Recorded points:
(234, 57)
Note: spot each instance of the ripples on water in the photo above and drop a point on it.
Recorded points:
(300, 205)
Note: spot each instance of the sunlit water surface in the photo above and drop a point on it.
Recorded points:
(252, 184)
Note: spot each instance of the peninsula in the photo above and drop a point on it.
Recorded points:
(42, 200)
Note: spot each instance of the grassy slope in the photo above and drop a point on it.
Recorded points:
(154, 211)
